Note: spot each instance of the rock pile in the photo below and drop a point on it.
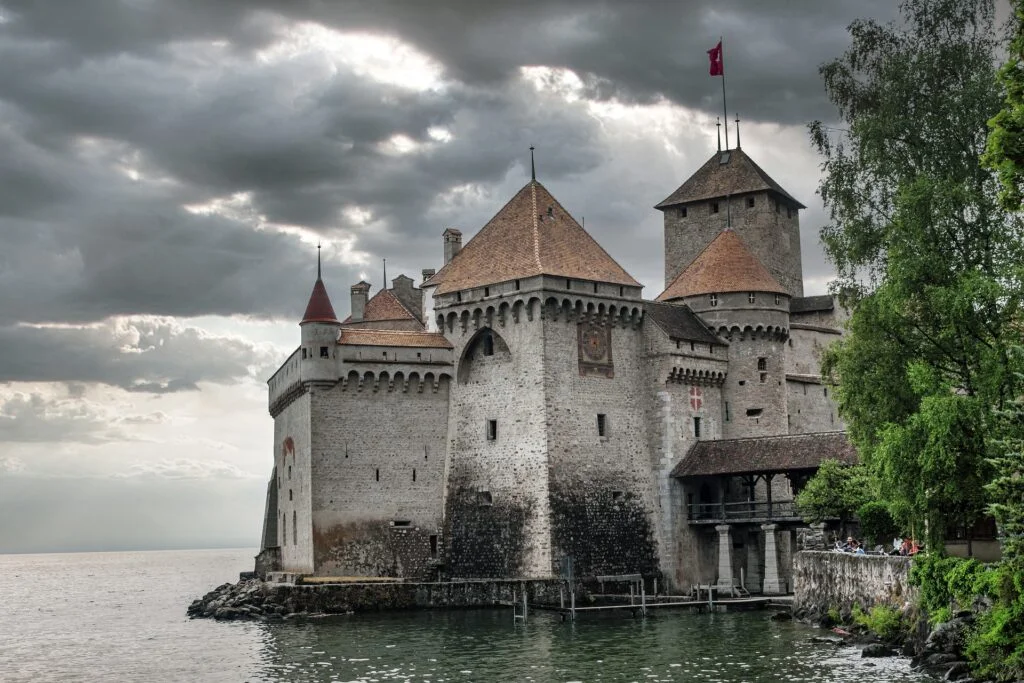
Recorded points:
(942, 655)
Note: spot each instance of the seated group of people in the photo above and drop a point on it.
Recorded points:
(905, 546)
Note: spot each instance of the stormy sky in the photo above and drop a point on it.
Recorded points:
(169, 166)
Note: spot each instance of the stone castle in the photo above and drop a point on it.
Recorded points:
(525, 403)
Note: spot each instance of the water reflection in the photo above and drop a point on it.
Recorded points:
(486, 646)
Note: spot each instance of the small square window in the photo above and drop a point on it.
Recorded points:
(713, 299)
(696, 427)
(762, 364)
(484, 498)
(602, 425)
(714, 207)
(492, 430)
(750, 202)
(304, 353)
(751, 298)
(324, 353)
(682, 212)
(617, 496)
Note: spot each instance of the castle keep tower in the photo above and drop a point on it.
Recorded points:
(731, 190)
(546, 427)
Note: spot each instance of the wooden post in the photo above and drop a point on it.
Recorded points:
(631, 589)
(572, 602)
(643, 599)
(524, 603)
(561, 595)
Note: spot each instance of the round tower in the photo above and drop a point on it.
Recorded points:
(320, 328)
(735, 295)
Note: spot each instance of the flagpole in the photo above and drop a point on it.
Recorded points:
(725, 109)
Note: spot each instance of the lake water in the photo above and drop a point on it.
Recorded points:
(121, 617)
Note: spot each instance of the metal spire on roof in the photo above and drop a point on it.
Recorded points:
(317, 260)
(533, 168)
(737, 131)
(385, 273)
(718, 124)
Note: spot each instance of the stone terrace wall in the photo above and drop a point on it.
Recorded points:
(826, 579)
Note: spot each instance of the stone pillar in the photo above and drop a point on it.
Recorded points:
(753, 577)
(724, 557)
(773, 584)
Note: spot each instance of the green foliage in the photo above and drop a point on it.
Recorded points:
(876, 523)
(947, 583)
(884, 621)
(926, 256)
(834, 492)
(1005, 150)
(996, 645)
(1007, 486)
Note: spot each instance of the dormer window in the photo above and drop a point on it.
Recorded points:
(713, 299)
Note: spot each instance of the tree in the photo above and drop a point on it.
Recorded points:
(1005, 150)
(834, 492)
(927, 258)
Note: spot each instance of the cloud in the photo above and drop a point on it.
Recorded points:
(184, 468)
(144, 354)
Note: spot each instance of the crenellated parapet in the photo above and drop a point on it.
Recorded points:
(695, 376)
(398, 381)
(750, 332)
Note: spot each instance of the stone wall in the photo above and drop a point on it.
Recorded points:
(378, 473)
(292, 461)
(827, 579)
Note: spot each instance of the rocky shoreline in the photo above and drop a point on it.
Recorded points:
(938, 651)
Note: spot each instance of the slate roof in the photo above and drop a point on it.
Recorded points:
(531, 235)
(385, 305)
(725, 265)
(739, 174)
(368, 337)
(679, 322)
(810, 304)
(765, 454)
(319, 308)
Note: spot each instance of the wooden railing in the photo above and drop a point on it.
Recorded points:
(745, 511)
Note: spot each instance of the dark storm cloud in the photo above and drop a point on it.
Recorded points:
(174, 93)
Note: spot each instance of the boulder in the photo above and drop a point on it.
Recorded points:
(958, 672)
(877, 650)
(947, 637)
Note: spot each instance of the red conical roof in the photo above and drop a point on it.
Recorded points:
(319, 308)
(725, 265)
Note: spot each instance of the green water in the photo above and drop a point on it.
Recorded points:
(487, 646)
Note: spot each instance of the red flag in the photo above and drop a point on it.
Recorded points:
(715, 55)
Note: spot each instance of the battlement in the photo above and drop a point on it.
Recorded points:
(397, 380)
(469, 318)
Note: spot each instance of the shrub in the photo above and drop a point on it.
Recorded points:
(884, 621)
(876, 522)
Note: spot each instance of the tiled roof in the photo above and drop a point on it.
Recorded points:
(810, 304)
(385, 305)
(679, 322)
(365, 337)
(531, 235)
(765, 454)
(722, 176)
(319, 309)
(725, 265)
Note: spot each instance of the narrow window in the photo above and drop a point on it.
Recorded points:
(805, 390)
(622, 291)
(789, 212)
(488, 344)
(419, 356)
(726, 411)
(751, 298)
(324, 353)
(385, 355)
(682, 212)
(778, 206)
(696, 427)
(826, 392)
(284, 529)
(303, 353)
(711, 349)
(764, 378)
(778, 299)
(714, 207)
(290, 494)
(568, 284)
(414, 474)
(484, 498)
(517, 289)
(831, 418)
(492, 430)
(750, 202)
(602, 425)
(692, 346)
(295, 528)
(595, 288)
(376, 474)
(433, 545)
(289, 471)
(762, 364)
(713, 299)
(677, 344)
(487, 291)
(458, 296)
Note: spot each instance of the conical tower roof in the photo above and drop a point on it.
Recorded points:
(725, 265)
(725, 173)
(319, 308)
(531, 235)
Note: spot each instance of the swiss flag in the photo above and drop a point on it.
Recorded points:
(715, 55)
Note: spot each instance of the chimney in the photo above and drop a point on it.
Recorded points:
(452, 243)
(360, 293)
(427, 274)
